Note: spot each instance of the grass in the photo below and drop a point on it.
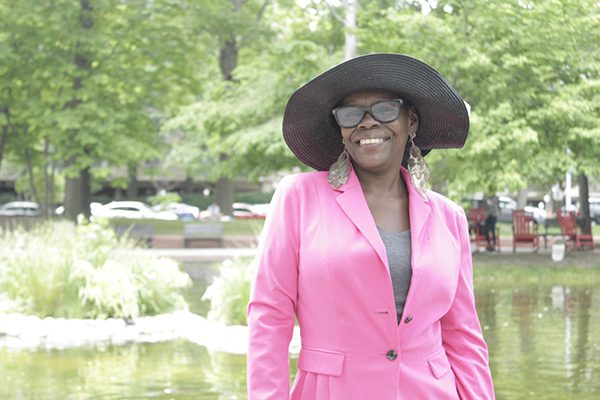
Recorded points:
(577, 269)
(506, 230)
(236, 227)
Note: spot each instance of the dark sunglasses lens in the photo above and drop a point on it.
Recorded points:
(349, 117)
(386, 111)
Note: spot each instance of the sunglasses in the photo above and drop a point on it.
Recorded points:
(384, 112)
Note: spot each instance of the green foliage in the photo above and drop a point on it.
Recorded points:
(86, 84)
(144, 82)
(254, 197)
(235, 128)
(164, 198)
(85, 271)
(229, 292)
(529, 71)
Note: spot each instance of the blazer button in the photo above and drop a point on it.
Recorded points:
(408, 319)
(391, 355)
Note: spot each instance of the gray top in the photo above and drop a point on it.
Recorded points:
(397, 246)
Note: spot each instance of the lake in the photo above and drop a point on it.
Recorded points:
(544, 343)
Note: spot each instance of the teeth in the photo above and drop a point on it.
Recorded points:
(371, 141)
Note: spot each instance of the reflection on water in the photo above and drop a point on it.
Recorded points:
(543, 342)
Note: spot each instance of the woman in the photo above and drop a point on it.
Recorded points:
(376, 267)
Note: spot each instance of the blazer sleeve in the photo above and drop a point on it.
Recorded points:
(461, 332)
(273, 298)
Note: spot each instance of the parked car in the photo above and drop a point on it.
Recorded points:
(20, 209)
(250, 211)
(539, 214)
(506, 205)
(595, 209)
(183, 211)
(132, 210)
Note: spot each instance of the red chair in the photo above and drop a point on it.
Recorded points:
(524, 230)
(476, 218)
(568, 227)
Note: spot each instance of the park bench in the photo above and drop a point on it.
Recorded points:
(139, 232)
(568, 227)
(525, 230)
(196, 234)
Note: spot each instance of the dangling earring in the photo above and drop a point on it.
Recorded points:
(339, 171)
(417, 167)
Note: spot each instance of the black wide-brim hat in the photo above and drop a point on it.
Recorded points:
(311, 132)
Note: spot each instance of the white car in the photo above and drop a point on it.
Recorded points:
(507, 205)
(250, 211)
(183, 211)
(131, 210)
(539, 214)
(20, 209)
(595, 209)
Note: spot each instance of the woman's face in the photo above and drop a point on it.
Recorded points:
(376, 146)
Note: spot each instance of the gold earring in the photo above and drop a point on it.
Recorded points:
(417, 167)
(339, 170)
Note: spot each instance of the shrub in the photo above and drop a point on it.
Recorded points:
(60, 269)
(229, 292)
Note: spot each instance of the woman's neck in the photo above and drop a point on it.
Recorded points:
(388, 183)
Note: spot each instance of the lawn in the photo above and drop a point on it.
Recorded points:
(577, 268)
(506, 229)
(235, 227)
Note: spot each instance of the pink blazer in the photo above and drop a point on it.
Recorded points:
(321, 258)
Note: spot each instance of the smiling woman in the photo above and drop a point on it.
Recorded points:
(375, 128)
(376, 267)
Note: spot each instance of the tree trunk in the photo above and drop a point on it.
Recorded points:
(224, 195)
(52, 181)
(3, 139)
(30, 173)
(350, 41)
(5, 128)
(47, 206)
(77, 195)
(132, 187)
(227, 63)
(584, 203)
(78, 189)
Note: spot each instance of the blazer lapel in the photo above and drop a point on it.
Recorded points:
(418, 208)
(352, 201)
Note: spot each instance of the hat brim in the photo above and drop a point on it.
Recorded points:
(310, 130)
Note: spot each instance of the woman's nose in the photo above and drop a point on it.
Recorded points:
(368, 121)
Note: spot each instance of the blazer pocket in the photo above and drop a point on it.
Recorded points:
(439, 364)
(324, 362)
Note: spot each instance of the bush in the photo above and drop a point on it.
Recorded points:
(60, 269)
(229, 292)
(254, 197)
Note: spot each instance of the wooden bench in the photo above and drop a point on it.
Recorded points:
(202, 235)
(139, 232)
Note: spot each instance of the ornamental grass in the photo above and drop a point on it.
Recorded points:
(61, 269)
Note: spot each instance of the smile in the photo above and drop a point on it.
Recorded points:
(371, 141)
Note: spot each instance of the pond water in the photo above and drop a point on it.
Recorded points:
(544, 344)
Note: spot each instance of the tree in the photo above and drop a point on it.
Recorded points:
(235, 127)
(87, 83)
(528, 70)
